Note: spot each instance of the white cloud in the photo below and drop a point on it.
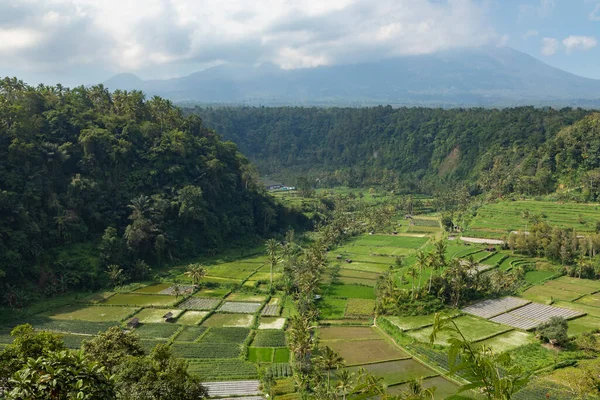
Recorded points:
(594, 14)
(579, 42)
(530, 33)
(549, 46)
(143, 34)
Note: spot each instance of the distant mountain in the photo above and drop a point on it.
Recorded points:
(482, 76)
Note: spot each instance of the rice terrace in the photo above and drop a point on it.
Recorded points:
(239, 330)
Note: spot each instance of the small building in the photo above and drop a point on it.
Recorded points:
(349, 261)
(133, 323)
(338, 257)
(272, 185)
(168, 316)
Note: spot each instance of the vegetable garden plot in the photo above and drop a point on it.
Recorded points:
(92, 313)
(507, 341)
(191, 333)
(532, 315)
(149, 344)
(66, 326)
(269, 338)
(584, 308)
(237, 388)
(225, 335)
(228, 369)
(490, 308)
(271, 310)
(156, 331)
(260, 354)
(182, 289)
(281, 355)
(239, 307)
(206, 350)
(416, 322)
(199, 303)
(246, 297)
(367, 351)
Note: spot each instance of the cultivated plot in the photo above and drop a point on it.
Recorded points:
(271, 310)
(240, 307)
(367, 351)
(199, 303)
(156, 331)
(135, 299)
(229, 320)
(178, 290)
(532, 315)
(395, 372)
(491, 308)
(327, 333)
(473, 329)
(156, 315)
(92, 313)
(190, 333)
(236, 389)
(443, 387)
(271, 323)
(192, 317)
(415, 322)
(154, 289)
(508, 341)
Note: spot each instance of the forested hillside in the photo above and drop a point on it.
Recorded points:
(521, 149)
(89, 179)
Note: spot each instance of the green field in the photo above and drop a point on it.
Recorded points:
(584, 324)
(131, 299)
(192, 317)
(495, 220)
(92, 313)
(395, 372)
(367, 351)
(508, 341)
(328, 333)
(155, 315)
(154, 289)
(229, 320)
(473, 328)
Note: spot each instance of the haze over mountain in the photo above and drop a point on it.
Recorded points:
(486, 76)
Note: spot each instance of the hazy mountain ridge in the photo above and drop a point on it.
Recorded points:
(483, 76)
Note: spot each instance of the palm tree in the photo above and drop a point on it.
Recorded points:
(115, 274)
(344, 383)
(330, 359)
(416, 391)
(272, 256)
(176, 290)
(196, 272)
(421, 262)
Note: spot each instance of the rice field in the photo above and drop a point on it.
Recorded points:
(155, 315)
(229, 320)
(508, 341)
(136, 299)
(192, 317)
(473, 328)
(359, 352)
(396, 372)
(92, 313)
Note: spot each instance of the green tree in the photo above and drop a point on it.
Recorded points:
(555, 331)
(329, 360)
(61, 375)
(112, 347)
(273, 257)
(196, 272)
(159, 376)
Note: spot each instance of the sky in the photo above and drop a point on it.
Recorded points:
(87, 41)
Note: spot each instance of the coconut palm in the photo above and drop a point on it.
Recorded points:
(196, 272)
(344, 383)
(272, 256)
(421, 262)
(329, 360)
(115, 274)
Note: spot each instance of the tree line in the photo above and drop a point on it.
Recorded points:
(514, 150)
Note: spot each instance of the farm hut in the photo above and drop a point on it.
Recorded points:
(133, 323)
(349, 261)
(490, 249)
(338, 257)
(168, 316)
(408, 216)
(394, 232)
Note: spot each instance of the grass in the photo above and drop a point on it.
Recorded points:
(591, 300)
(212, 292)
(533, 357)
(155, 315)
(359, 308)
(223, 370)
(66, 326)
(581, 282)
(269, 338)
(394, 372)
(473, 329)
(327, 333)
(92, 313)
(192, 317)
(132, 299)
(357, 352)
(508, 341)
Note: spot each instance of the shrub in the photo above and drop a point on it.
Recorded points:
(554, 331)
(269, 338)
